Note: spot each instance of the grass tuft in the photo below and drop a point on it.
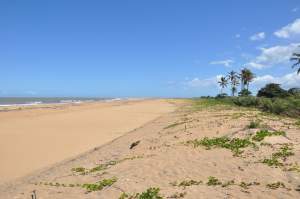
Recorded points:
(254, 125)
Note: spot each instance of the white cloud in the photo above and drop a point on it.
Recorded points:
(255, 65)
(258, 36)
(237, 36)
(287, 81)
(226, 62)
(202, 83)
(273, 55)
(289, 30)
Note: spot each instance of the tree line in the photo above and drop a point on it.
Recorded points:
(245, 77)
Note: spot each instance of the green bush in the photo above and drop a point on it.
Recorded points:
(254, 124)
(289, 106)
(245, 92)
(272, 90)
(246, 101)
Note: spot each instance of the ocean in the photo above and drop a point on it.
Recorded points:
(27, 101)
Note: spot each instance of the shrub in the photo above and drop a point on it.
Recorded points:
(294, 91)
(245, 92)
(254, 124)
(246, 101)
(272, 90)
(222, 95)
(289, 106)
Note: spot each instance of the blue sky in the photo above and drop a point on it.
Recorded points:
(134, 48)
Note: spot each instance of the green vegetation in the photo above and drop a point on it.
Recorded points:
(272, 162)
(213, 181)
(271, 98)
(245, 185)
(202, 103)
(85, 171)
(289, 106)
(297, 123)
(254, 125)
(260, 135)
(81, 170)
(272, 90)
(296, 58)
(187, 183)
(90, 187)
(235, 144)
(275, 185)
(100, 185)
(284, 152)
(151, 193)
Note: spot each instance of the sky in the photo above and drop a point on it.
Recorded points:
(148, 48)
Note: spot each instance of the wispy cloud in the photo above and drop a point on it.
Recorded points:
(273, 56)
(227, 62)
(289, 80)
(202, 83)
(295, 9)
(289, 30)
(258, 36)
(237, 36)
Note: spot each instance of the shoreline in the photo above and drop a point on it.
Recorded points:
(58, 123)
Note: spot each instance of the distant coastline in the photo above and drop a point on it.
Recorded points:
(31, 101)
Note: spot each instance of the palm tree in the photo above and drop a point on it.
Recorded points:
(246, 77)
(296, 57)
(234, 81)
(223, 83)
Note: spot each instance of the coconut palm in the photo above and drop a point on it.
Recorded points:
(246, 77)
(296, 57)
(223, 83)
(234, 81)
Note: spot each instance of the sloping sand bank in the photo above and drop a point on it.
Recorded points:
(33, 138)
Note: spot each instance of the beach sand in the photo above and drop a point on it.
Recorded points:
(32, 138)
(163, 158)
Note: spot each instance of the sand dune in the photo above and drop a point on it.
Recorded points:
(34, 138)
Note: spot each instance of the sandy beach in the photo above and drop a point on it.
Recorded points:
(33, 138)
(175, 155)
